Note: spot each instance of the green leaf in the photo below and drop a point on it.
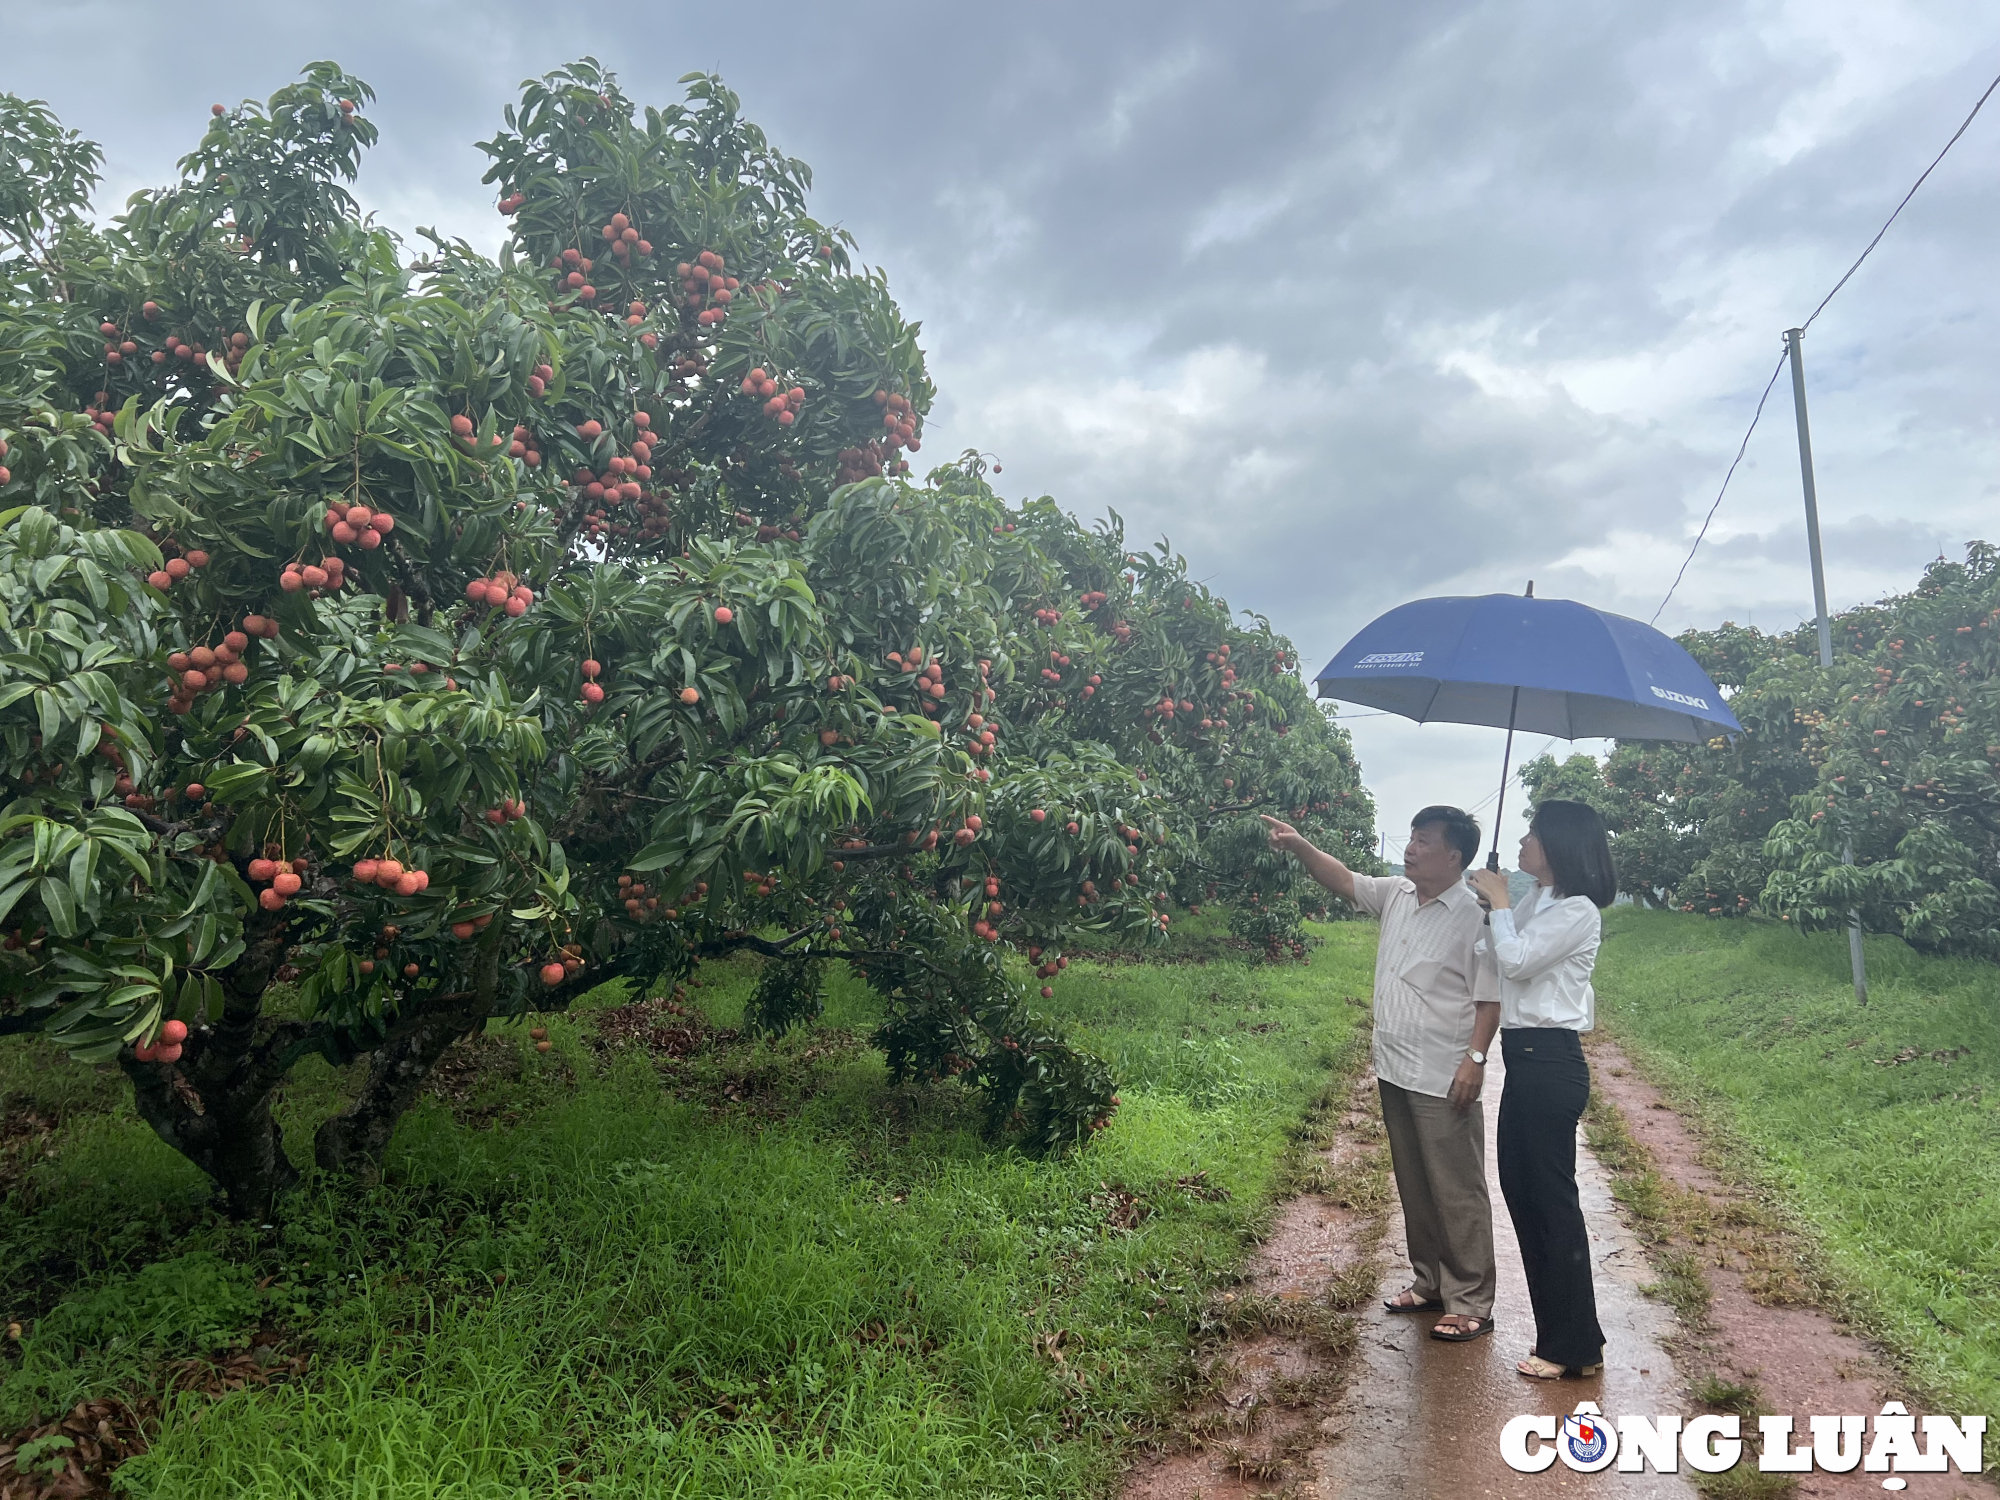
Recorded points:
(211, 876)
(9, 895)
(60, 905)
(82, 867)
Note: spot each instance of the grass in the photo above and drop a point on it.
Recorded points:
(1874, 1132)
(758, 1270)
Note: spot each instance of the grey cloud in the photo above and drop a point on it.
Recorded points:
(1354, 302)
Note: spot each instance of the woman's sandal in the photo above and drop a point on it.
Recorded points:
(1537, 1368)
(1398, 1305)
(1465, 1331)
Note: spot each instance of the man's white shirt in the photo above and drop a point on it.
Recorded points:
(1428, 975)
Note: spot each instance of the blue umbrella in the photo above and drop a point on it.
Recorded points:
(1546, 666)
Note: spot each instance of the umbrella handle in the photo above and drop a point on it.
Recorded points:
(1506, 760)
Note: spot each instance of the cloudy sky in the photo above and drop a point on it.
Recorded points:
(1353, 302)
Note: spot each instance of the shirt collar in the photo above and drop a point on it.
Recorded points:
(1452, 896)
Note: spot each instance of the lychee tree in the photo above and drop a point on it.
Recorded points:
(444, 637)
(1893, 755)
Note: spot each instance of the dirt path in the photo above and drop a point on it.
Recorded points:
(1288, 1335)
(1423, 1418)
(1322, 1395)
(1411, 1418)
(1799, 1359)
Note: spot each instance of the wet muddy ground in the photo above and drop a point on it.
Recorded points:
(1801, 1360)
(1366, 1406)
(1423, 1418)
(1292, 1332)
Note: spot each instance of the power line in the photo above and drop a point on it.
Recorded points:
(1995, 84)
(1740, 449)
(1963, 125)
(1546, 746)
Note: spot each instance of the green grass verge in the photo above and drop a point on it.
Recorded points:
(1877, 1129)
(761, 1271)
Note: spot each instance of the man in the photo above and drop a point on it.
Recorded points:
(1436, 1010)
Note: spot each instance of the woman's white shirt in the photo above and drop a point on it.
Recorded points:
(1544, 951)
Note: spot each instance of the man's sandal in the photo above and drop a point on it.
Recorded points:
(1399, 1305)
(1537, 1368)
(1464, 1330)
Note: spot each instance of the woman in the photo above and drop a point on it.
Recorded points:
(1544, 950)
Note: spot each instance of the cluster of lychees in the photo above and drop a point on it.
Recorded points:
(391, 875)
(705, 287)
(641, 903)
(983, 736)
(166, 1046)
(625, 483)
(624, 239)
(635, 317)
(782, 406)
(768, 531)
(900, 419)
(1093, 600)
(509, 809)
(101, 417)
(627, 474)
(501, 591)
(569, 962)
(281, 878)
(174, 569)
(463, 429)
(867, 461)
(203, 669)
(1048, 617)
(1047, 966)
(234, 351)
(522, 446)
(358, 525)
(929, 675)
(315, 578)
(572, 269)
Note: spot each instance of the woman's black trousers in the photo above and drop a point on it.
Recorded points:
(1548, 1084)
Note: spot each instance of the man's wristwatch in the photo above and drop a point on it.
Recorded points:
(1477, 1056)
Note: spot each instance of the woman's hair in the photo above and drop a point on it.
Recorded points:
(1578, 850)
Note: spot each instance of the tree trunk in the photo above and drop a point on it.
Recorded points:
(215, 1107)
(353, 1141)
(230, 1134)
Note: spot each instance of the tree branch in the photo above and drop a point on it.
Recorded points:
(731, 942)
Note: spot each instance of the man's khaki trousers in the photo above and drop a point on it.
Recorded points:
(1440, 1159)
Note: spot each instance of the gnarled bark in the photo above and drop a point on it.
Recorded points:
(353, 1140)
(230, 1134)
(214, 1107)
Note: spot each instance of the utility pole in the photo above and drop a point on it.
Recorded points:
(1793, 339)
